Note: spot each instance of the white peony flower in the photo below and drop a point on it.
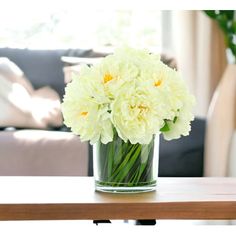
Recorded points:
(181, 124)
(85, 115)
(131, 91)
(136, 114)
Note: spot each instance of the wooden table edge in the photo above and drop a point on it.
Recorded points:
(95, 211)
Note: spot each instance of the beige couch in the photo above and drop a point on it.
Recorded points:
(33, 144)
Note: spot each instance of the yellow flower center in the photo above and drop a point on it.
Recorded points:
(107, 78)
(158, 83)
(141, 107)
(83, 113)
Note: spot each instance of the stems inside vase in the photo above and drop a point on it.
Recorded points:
(124, 164)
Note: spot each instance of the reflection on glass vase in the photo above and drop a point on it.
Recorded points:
(122, 167)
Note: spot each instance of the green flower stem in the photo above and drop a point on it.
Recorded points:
(122, 174)
(125, 164)
(110, 160)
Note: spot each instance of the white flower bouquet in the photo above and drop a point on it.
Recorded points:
(130, 96)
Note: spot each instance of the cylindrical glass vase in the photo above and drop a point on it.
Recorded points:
(121, 167)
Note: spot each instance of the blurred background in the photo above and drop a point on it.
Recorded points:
(190, 37)
(43, 44)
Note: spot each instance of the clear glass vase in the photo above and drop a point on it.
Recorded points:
(121, 167)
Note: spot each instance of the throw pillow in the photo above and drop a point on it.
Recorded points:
(23, 107)
(15, 105)
(13, 73)
(46, 107)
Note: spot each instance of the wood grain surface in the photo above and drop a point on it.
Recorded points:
(60, 198)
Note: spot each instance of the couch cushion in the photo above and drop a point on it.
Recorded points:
(184, 157)
(13, 73)
(37, 152)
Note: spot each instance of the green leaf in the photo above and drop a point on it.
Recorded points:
(233, 49)
(228, 13)
(233, 27)
(175, 119)
(211, 13)
(165, 128)
(223, 22)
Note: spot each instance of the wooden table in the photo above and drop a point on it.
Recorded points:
(54, 198)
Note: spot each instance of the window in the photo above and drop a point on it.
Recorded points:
(65, 26)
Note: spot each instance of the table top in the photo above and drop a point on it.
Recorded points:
(52, 198)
